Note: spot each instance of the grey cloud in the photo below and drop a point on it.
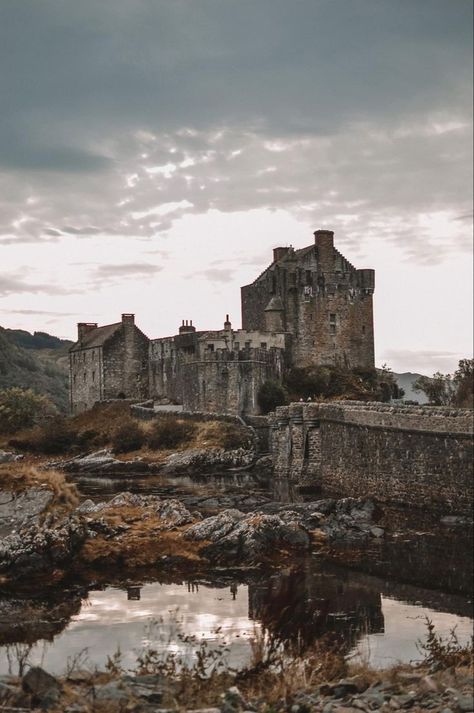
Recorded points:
(243, 105)
(127, 270)
(426, 361)
(37, 312)
(15, 285)
(215, 274)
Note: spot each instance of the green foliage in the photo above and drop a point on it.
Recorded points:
(449, 389)
(169, 432)
(331, 382)
(270, 395)
(127, 437)
(37, 340)
(40, 369)
(445, 653)
(22, 408)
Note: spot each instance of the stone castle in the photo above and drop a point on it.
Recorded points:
(309, 306)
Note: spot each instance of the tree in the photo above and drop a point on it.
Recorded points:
(439, 388)
(464, 381)
(22, 408)
(270, 395)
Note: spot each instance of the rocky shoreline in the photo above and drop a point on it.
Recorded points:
(404, 688)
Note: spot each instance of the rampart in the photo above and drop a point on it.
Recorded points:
(409, 455)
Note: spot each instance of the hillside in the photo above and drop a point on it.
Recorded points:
(405, 381)
(38, 361)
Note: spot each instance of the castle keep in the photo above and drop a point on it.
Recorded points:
(310, 306)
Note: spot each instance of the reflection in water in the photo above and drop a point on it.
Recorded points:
(304, 602)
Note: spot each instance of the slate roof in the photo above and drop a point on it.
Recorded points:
(96, 337)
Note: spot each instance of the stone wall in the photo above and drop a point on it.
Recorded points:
(125, 365)
(320, 299)
(417, 456)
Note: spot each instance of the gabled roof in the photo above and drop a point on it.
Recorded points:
(96, 337)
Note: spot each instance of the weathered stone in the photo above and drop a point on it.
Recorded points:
(9, 457)
(41, 686)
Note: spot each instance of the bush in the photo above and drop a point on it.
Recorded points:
(169, 432)
(234, 436)
(271, 394)
(22, 408)
(127, 437)
(54, 436)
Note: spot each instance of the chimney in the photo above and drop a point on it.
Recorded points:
(187, 327)
(227, 323)
(324, 241)
(278, 253)
(128, 319)
(83, 328)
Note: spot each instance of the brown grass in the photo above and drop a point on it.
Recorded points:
(20, 476)
(145, 542)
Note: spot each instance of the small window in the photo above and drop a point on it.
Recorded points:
(93, 376)
(84, 377)
(210, 347)
(248, 345)
(83, 356)
(332, 324)
(74, 379)
(263, 345)
(236, 346)
(363, 329)
(309, 277)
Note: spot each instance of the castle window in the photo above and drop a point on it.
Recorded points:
(263, 345)
(363, 329)
(74, 379)
(236, 346)
(248, 345)
(309, 277)
(93, 376)
(332, 324)
(210, 347)
(84, 377)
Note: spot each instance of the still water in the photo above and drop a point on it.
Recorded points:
(378, 613)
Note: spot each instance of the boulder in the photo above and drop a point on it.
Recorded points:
(9, 457)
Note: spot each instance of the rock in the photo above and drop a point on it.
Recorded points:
(207, 460)
(23, 507)
(9, 457)
(232, 701)
(104, 461)
(42, 548)
(377, 531)
(236, 537)
(43, 688)
(465, 704)
(112, 691)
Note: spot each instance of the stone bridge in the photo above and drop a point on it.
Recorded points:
(411, 455)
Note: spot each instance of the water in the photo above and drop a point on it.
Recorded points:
(378, 613)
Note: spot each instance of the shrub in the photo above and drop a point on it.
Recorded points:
(54, 436)
(22, 408)
(234, 436)
(271, 394)
(169, 432)
(127, 437)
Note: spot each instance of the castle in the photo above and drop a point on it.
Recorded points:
(309, 306)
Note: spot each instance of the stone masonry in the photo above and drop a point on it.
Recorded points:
(310, 306)
(410, 455)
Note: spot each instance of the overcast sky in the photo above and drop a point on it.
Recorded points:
(153, 152)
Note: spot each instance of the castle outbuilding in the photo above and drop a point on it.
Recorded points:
(309, 306)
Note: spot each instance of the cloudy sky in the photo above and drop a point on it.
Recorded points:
(152, 152)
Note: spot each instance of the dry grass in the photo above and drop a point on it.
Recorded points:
(20, 476)
(143, 542)
(98, 428)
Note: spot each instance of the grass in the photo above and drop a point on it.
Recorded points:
(17, 477)
(111, 425)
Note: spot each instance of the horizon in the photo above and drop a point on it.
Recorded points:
(153, 154)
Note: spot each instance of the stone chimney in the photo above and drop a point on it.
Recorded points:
(227, 323)
(83, 328)
(324, 241)
(186, 327)
(128, 319)
(278, 253)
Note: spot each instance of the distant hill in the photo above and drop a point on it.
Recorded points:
(405, 381)
(37, 361)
